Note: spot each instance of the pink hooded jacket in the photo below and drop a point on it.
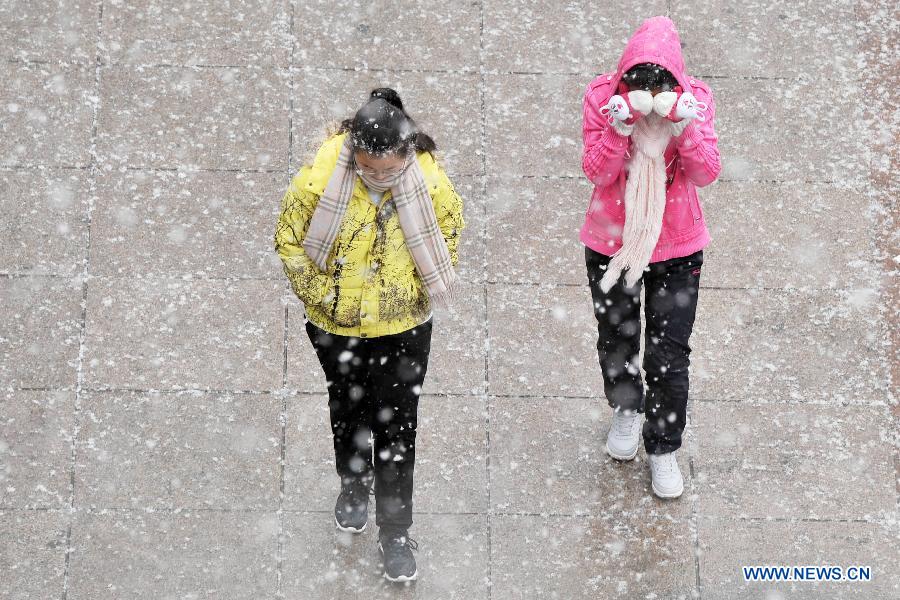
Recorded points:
(692, 159)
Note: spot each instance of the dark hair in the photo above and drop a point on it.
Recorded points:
(647, 76)
(382, 126)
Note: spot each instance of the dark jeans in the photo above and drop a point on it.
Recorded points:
(373, 389)
(671, 296)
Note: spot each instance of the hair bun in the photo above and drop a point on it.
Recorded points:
(388, 95)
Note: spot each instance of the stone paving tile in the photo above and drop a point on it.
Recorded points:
(787, 345)
(347, 34)
(303, 369)
(554, 517)
(50, 30)
(166, 451)
(571, 36)
(451, 455)
(728, 545)
(793, 461)
(456, 364)
(753, 39)
(548, 456)
(322, 563)
(472, 243)
(540, 219)
(543, 341)
(533, 124)
(590, 557)
(458, 346)
(33, 553)
(755, 118)
(47, 114)
(184, 554)
(444, 105)
(39, 332)
(310, 479)
(201, 33)
(175, 334)
(816, 242)
(44, 222)
(209, 118)
(35, 448)
(167, 223)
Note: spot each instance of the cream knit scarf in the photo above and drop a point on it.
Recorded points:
(645, 201)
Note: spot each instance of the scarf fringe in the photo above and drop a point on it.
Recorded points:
(444, 292)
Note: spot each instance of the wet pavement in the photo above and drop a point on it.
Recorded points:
(163, 420)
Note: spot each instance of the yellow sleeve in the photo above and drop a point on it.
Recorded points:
(308, 283)
(448, 207)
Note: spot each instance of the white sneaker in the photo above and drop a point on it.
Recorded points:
(624, 435)
(665, 475)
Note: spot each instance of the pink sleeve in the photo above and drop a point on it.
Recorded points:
(604, 147)
(698, 144)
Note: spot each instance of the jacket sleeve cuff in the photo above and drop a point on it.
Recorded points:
(616, 138)
(679, 127)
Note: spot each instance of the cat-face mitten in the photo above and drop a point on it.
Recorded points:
(623, 111)
(679, 108)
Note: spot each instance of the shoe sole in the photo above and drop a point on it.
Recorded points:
(622, 456)
(667, 496)
(401, 578)
(350, 529)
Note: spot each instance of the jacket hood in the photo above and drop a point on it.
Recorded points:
(655, 41)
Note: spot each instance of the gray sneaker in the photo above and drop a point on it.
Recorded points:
(351, 511)
(396, 552)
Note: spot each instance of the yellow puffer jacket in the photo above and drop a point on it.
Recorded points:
(372, 287)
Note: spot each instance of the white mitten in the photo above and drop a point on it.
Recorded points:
(689, 108)
(685, 111)
(622, 112)
(641, 100)
(616, 110)
(663, 103)
(619, 115)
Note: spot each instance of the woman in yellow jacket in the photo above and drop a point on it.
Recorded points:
(368, 237)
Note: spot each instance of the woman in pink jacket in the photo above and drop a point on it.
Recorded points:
(649, 142)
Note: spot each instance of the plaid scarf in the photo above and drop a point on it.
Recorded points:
(415, 210)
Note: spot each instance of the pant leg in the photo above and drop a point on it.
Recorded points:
(618, 315)
(345, 363)
(400, 363)
(671, 298)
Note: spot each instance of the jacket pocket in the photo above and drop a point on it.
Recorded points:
(608, 220)
(319, 291)
(592, 207)
(401, 298)
(695, 207)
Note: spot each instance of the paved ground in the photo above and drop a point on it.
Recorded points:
(162, 420)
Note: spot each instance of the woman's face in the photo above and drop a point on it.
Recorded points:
(378, 167)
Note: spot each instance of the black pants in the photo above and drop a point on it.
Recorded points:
(373, 390)
(671, 296)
